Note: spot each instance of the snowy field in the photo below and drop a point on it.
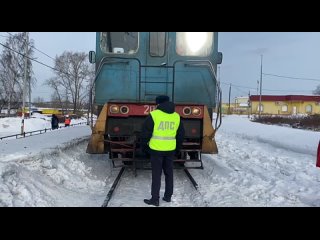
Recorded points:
(257, 165)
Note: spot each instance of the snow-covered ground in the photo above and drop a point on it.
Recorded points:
(257, 165)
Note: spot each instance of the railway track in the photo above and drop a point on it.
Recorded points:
(113, 187)
(120, 174)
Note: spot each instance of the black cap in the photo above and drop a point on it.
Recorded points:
(162, 99)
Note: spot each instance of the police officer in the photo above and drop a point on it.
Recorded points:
(54, 122)
(162, 136)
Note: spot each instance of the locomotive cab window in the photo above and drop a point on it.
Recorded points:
(119, 42)
(157, 44)
(194, 43)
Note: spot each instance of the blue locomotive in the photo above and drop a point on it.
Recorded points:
(132, 68)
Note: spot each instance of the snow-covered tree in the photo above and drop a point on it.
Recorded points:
(72, 77)
(12, 67)
(317, 91)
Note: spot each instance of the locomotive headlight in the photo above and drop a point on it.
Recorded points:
(124, 109)
(114, 109)
(186, 111)
(196, 111)
(196, 40)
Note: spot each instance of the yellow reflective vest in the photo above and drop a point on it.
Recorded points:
(164, 131)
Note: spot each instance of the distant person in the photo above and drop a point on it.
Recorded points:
(162, 136)
(54, 122)
(67, 121)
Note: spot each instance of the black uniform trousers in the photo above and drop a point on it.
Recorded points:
(159, 163)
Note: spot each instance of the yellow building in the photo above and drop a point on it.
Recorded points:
(241, 105)
(285, 105)
(50, 111)
(225, 108)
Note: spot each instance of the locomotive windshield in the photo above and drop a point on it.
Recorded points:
(119, 42)
(194, 43)
(157, 44)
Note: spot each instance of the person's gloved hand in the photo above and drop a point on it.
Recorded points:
(177, 154)
(140, 153)
(143, 152)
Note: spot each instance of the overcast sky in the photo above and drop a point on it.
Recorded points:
(293, 54)
(289, 54)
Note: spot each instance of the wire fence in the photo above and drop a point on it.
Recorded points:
(38, 132)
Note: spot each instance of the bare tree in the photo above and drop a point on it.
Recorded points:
(90, 87)
(317, 91)
(57, 95)
(38, 100)
(2, 99)
(12, 69)
(71, 80)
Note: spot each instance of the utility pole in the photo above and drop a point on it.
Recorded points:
(90, 110)
(89, 106)
(217, 90)
(229, 111)
(260, 88)
(29, 80)
(24, 83)
(249, 104)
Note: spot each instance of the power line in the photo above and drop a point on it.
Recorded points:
(270, 90)
(239, 90)
(4, 36)
(237, 85)
(43, 53)
(10, 34)
(287, 90)
(35, 48)
(281, 76)
(36, 60)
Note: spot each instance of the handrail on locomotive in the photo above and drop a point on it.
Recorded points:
(212, 71)
(104, 137)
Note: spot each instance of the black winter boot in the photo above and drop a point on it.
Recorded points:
(152, 202)
(166, 199)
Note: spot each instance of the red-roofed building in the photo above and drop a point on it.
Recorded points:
(285, 105)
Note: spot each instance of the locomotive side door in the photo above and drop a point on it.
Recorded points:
(157, 75)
